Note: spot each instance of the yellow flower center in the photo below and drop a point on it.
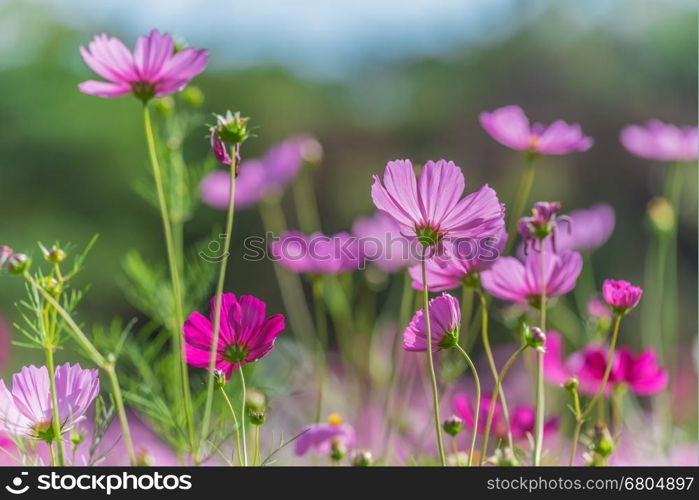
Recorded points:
(335, 419)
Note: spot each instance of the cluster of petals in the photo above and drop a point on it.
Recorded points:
(661, 141)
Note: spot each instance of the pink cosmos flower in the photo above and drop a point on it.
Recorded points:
(445, 319)
(381, 243)
(590, 228)
(521, 417)
(257, 178)
(640, 373)
(152, 70)
(321, 437)
(457, 261)
(516, 281)
(27, 410)
(317, 253)
(662, 142)
(621, 295)
(431, 208)
(510, 126)
(245, 335)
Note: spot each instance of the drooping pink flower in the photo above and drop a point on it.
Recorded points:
(5, 254)
(27, 410)
(590, 228)
(152, 70)
(641, 373)
(457, 261)
(661, 142)
(516, 281)
(245, 336)
(621, 295)
(317, 253)
(431, 208)
(320, 437)
(257, 178)
(521, 417)
(445, 320)
(381, 243)
(510, 126)
(541, 225)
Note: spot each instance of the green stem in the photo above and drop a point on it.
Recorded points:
(256, 453)
(540, 396)
(238, 448)
(478, 402)
(493, 368)
(430, 360)
(322, 333)
(97, 358)
(305, 201)
(242, 417)
(610, 361)
(466, 307)
(491, 410)
(219, 296)
(52, 453)
(578, 425)
(182, 375)
(525, 187)
(55, 420)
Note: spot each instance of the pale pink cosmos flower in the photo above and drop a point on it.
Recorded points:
(245, 336)
(317, 253)
(27, 409)
(510, 126)
(445, 319)
(321, 437)
(457, 261)
(661, 142)
(257, 178)
(431, 208)
(516, 281)
(153, 69)
(641, 373)
(381, 243)
(621, 295)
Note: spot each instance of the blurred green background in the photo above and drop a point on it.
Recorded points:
(373, 82)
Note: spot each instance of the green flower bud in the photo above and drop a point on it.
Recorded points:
(362, 458)
(453, 425)
(18, 263)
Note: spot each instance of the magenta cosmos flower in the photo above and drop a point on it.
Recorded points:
(322, 436)
(621, 295)
(516, 281)
(431, 208)
(445, 319)
(245, 335)
(510, 127)
(154, 69)
(458, 261)
(257, 178)
(317, 253)
(641, 373)
(381, 243)
(521, 417)
(662, 142)
(27, 410)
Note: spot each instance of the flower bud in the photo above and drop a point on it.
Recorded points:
(55, 255)
(51, 285)
(311, 150)
(601, 446)
(5, 254)
(219, 379)
(193, 96)
(571, 384)
(18, 263)
(231, 128)
(362, 458)
(145, 459)
(165, 105)
(621, 296)
(76, 438)
(661, 215)
(256, 400)
(535, 338)
(256, 417)
(504, 457)
(338, 450)
(453, 425)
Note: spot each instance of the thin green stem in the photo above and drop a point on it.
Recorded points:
(121, 412)
(219, 296)
(256, 453)
(582, 415)
(478, 403)
(52, 453)
(305, 201)
(466, 307)
(430, 360)
(242, 417)
(491, 410)
(540, 395)
(181, 366)
(238, 447)
(491, 364)
(525, 187)
(322, 333)
(55, 420)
